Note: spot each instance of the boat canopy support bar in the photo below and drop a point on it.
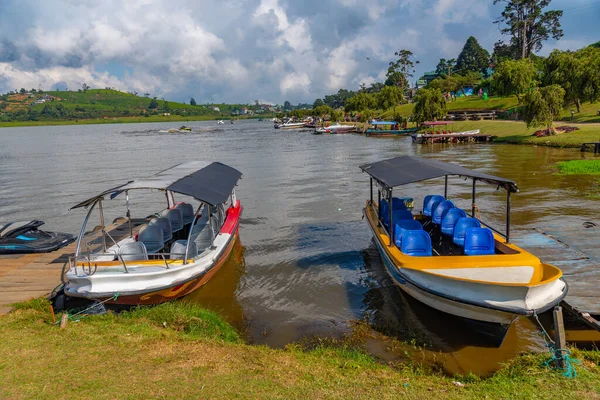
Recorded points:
(507, 216)
(446, 187)
(103, 226)
(391, 225)
(473, 200)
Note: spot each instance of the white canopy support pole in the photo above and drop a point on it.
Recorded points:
(102, 224)
(128, 213)
(82, 231)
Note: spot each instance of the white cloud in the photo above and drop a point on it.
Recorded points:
(234, 50)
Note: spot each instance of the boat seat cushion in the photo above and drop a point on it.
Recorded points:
(177, 251)
(397, 215)
(403, 226)
(175, 216)
(429, 202)
(458, 237)
(152, 237)
(416, 243)
(165, 225)
(438, 212)
(187, 212)
(450, 219)
(133, 251)
(479, 241)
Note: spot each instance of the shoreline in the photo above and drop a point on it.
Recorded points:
(121, 120)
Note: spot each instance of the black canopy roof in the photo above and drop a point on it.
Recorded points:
(408, 169)
(209, 182)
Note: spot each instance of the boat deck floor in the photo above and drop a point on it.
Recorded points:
(575, 250)
(27, 276)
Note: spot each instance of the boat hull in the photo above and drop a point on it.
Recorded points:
(154, 290)
(477, 301)
(170, 293)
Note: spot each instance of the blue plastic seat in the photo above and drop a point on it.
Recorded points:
(458, 237)
(397, 215)
(416, 243)
(450, 219)
(397, 202)
(438, 212)
(403, 226)
(479, 241)
(429, 202)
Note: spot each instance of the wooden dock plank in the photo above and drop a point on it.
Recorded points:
(27, 276)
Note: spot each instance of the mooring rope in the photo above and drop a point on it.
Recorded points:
(95, 305)
(568, 370)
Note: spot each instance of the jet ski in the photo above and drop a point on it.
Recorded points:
(25, 237)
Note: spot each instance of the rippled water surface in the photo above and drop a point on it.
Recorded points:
(305, 265)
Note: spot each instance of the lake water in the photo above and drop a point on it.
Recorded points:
(306, 266)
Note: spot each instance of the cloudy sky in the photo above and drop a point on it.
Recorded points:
(244, 50)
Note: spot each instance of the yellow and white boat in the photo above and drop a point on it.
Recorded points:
(450, 261)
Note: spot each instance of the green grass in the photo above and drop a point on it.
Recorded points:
(516, 132)
(579, 167)
(589, 111)
(196, 355)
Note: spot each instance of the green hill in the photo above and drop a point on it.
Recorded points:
(106, 105)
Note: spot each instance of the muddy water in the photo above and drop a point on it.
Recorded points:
(305, 265)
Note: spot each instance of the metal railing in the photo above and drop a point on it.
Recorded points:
(89, 265)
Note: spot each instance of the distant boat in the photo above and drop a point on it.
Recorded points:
(289, 124)
(220, 122)
(336, 128)
(386, 128)
(420, 137)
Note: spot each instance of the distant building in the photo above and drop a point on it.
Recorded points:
(215, 108)
(244, 111)
(429, 76)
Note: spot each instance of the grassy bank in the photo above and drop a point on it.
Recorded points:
(515, 132)
(179, 350)
(579, 167)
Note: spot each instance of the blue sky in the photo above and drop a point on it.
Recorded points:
(245, 50)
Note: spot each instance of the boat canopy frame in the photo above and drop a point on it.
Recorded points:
(402, 170)
(210, 183)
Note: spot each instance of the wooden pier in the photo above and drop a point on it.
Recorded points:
(451, 138)
(575, 250)
(27, 276)
(596, 146)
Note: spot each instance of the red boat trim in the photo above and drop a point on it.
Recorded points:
(233, 218)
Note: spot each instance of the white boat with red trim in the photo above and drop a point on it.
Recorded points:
(167, 255)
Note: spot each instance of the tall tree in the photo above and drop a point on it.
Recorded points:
(472, 58)
(528, 25)
(576, 72)
(153, 104)
(192, 102)
(429, 104)
(361, 101)
(318, 102)
(445, 67)
(389, 96)
(542, 105)
(287, 105)
(513, 77)
(400, 70)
